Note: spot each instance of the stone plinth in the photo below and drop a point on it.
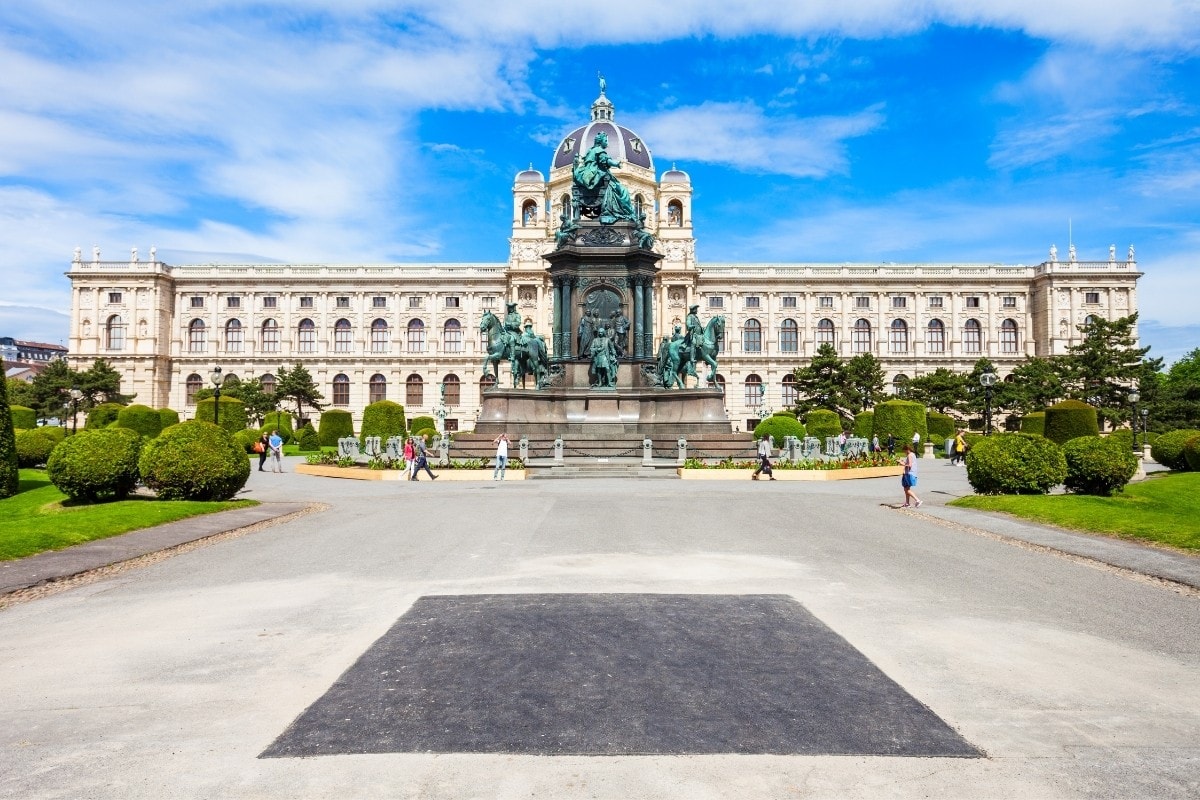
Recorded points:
(645, 410)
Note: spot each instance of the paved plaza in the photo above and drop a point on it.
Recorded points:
(611, 639)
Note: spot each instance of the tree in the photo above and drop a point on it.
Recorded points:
(940, 390)
(100, 383)
(296, 384)
(1173, 397)
(50, 389)
(20, 393)
(1104, 367)
(863, 381)
(822, 383)
(1036, 384)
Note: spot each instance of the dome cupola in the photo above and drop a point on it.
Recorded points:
(623, 144)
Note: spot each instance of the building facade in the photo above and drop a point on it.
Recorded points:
(398, 331)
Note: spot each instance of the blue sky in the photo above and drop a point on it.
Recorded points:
(371, 131)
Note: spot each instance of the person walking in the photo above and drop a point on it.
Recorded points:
(263, 448)
(909, 479)
(960, 447)
(501, 443)
(764, 459)
(410, 455)
(916, 442)
(422, 462)
(275, 442)
(875, 448)
(891, 445)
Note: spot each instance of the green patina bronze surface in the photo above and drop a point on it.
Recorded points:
(678, 356)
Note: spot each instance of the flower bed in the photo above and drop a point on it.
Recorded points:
(365, 473)
(837, 469)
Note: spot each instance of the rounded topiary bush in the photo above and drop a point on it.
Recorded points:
(383, 419)
(335, 424)
(901, 418)
(246, 439)
(778, 426)
(279, 421)
(1015, 463)
(427, 434)
(1191, 453)
(143, 419)
(787, 412)
(33, 447)
(233, 412)
(166, 418)
(194, 460)
(939, 444)
(1034, 423)
(1070, 419)
(55, 433)
(307, 439)
(23, 418)
(96, 464)
(1168, 448)
(418, 424)
(822, 423)
(1097, 465)
(940, 424)
(103, 415)
(864, 424)
(1124, 436)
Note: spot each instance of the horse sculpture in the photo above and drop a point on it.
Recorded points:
(531, 358)
(675, 361)
(497, 343)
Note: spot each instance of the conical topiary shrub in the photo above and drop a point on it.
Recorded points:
(10, 476)
(1069, 420)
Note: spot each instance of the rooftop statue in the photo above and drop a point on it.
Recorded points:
(600, 193)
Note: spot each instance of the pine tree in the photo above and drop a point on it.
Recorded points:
(822, 383)
(942, 390)
(864, 382)
(296, 384)
(1106, 366)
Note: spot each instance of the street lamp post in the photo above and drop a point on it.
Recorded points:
(75, 397)
(987, 380)
(1134, 397)
(215, 377)
(1145, 426)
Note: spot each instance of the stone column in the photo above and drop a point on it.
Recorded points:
(648, 324)
(556, 316)
(638, 310)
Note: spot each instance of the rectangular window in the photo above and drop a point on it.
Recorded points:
(269, 301)
(716, 302)
(1091, 298)
(935, 301)
(488, 301)
(415, 301)
(899, 302)
(1010, 302)
(114, 298)
(789, 301)
(825, 301)
(752, 301)
(452, 302)
(233, 301)
(973, 302)
(343, 302)
(197, 301)
(306, 302)
(862, 301)
(378, 301)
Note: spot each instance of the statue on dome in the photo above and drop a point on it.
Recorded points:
(598, 192)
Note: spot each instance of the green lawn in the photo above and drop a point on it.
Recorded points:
(37, 519)
(1160, 509)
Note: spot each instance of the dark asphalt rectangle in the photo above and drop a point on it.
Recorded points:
(615, 674)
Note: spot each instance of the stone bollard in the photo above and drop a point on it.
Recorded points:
(647, 452)
(558, 451)
(444, 450)
(523, 448)
(681, 451)
(928, 450)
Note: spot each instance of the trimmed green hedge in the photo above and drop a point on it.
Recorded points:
(10, 476)
(1124, 436)
(864, 424)
(23, 419)
(1015, 463)
(901, 418)
(1168, 448)
(1034, 423)
(233, 413)
(940, 424)
(56, 433)
(143, 419)
(418, 424)
(246, 439)
(307, 439)
(103, 415)
(335, 424)
(33, 448)
(167, 417)
(96, 464)
(779, 426)
(1191, 453)
(194, 460)
(822, 423)
(384, 419)
(1097, 465)
(1070, 419)
(279, 421)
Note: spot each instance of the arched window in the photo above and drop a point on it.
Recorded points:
(720, 381)
(898, 336)
(1089, 320)
(416, 336)
(754, 391)
(639, 204)
(791, 394)
(114, 333)
(529, 214)
(342, 336)
(935, 336)
(377, 389)
(270, 336)
(414, 390)
(675, 214)
(381, 337)
(564, 203)
(307, 341)
(900, 385)
(862, 336)
(453, 389)
(1009, 341)
(196, 340)
(752, 337)
(825, 333)
(234, 336)
(341, 390)
(267, 383)
(193, 385)
(487, 382)
(452, 339)
(789, 336)
(972, 337)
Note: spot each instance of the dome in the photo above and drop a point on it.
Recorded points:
(623, 144)
(676, 176)
(530, 175)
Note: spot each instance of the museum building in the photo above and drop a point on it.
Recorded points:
(369, 332)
